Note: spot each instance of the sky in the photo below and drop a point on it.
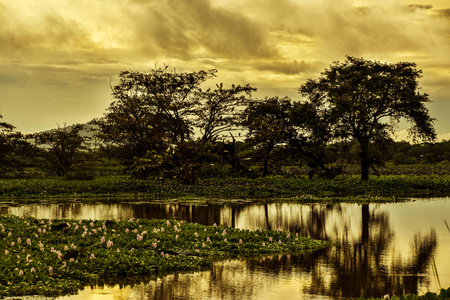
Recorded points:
(59, 58)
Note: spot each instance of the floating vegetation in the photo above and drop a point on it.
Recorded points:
(238, 188)
(444, 294)
(57, 257)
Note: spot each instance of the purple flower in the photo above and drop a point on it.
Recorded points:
(92, 257)
(50, 270)
(109, 244)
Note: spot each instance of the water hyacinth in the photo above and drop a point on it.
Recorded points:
(169, 246)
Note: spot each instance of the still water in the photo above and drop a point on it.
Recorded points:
(393, 248)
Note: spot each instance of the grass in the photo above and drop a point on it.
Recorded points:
(51, 258)
(268, 187)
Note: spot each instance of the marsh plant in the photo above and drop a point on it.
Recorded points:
(55, 257)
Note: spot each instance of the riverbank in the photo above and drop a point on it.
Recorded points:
(298, 188)
(41, 257)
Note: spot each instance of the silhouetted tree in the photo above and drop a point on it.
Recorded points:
(218, 112)
(312, 134)
(160, 110)
(363, 100)
(61, 148)
(268, 124)
(14, 149)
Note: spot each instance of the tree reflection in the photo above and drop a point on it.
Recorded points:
(366, 262)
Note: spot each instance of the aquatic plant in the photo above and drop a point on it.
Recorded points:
(268, 187)
(444, 294)
(55, 257)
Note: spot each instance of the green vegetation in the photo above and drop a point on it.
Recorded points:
(444, 294)
(261, 188)
(52, 258)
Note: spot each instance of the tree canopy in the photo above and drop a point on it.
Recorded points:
(363, 100)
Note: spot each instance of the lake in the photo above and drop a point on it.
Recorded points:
(392, 248)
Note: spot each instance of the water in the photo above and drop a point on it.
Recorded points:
(394, 248)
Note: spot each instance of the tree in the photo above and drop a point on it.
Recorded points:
(160, 110)
(363, 100)
(15, 151)
(6, 144)
(218, 111)
(151, 110)
(312, 134)
(268, 124)
(61, 148)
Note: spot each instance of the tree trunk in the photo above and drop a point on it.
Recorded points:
(266, 160)
(365, 161)
(266, 167)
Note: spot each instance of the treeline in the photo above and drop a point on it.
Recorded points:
(162, 124)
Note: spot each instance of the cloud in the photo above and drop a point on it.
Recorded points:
(444, 12)
(49, 31)
(414, 7)
(190, 29)
(274, 45)
(282, 67)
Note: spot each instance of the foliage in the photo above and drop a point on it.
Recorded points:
(219, 110)
(14, 149)
(238, 188)
(268, 125)
(49, 257)
(157, 112)
(61, 148)
(363, 100)
(444, 294)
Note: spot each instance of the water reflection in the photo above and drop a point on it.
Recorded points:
(383, 248)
